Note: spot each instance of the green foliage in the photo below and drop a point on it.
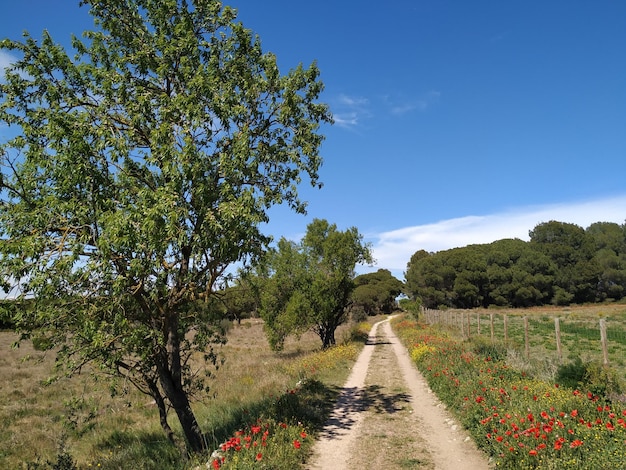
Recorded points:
(601, 380)
(491, 350)
(142, 166)
(308, 285)
(375, 293)
(414, 307)
(561, 264)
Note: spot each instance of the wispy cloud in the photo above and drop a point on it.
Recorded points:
(6, 60)
(400, 106)
(392, 250)
(351, 110)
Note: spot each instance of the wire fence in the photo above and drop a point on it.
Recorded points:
(554, 336)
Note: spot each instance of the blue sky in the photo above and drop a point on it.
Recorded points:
(457, 122)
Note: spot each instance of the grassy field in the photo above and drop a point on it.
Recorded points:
(579, 327)
(40, 412)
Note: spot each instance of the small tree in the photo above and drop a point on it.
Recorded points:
(309, 284)
(141, 169)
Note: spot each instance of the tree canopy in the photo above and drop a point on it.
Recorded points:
(375, 293)
(139, 169)
(308, 284)
(562, 263)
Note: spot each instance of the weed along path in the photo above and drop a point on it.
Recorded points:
(387, 417)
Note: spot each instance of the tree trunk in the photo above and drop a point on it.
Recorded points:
(170, 377)
(160, 402)
(180, 402)
(328, 337)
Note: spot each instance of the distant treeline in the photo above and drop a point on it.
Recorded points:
(561, 264)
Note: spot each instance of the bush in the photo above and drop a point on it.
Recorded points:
(571, 375)
(599, 379)
(494, 350)
(413, 307)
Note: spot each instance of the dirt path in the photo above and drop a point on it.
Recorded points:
(387, 417)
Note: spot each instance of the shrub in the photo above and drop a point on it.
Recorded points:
(572, 374)
(599, 379)
(495, 350)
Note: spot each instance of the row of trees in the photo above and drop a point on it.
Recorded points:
(561, 264)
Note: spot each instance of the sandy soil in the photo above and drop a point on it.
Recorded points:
(387, 417)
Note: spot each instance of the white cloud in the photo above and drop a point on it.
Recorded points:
(399, 106)
(6, 60)
(352, 101)
(392, 250)
(350, 110)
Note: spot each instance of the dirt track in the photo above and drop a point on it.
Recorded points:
(387, 417)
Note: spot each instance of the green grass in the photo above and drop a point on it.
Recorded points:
(579, 325)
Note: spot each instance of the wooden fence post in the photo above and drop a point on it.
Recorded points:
(605, 347)
(463, 324)
(506, 328)
(526, 344)
(557, 331)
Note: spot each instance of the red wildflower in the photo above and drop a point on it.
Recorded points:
(533, 452)
(609, 426)
(216, 464)
(255, 429)
(558, 444)
(296, 443)
(259, 456)
(574, 413)
(303, 435)
(576, 443)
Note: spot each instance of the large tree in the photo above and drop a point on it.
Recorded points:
(139, 169)
(572, 250)
(375, 293)
(308, 284)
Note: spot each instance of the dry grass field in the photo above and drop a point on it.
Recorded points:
(40, 409)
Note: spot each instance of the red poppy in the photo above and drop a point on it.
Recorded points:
(303, 435)
(576, 443)
(296, 443)
(216, 464)
(259, 456)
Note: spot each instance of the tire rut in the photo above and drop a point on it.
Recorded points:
(387, 417)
